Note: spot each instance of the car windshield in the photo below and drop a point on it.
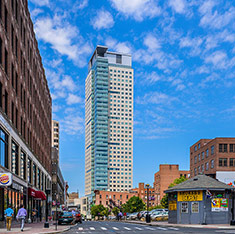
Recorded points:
(67, 214)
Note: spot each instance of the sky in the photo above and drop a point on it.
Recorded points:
(184, 77)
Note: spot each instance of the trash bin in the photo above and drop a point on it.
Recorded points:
(148, 218)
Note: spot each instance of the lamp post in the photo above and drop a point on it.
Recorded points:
(56, 216)
(46, 224)
(148, 220)
(232, 222)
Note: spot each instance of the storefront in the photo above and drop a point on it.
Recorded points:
(200, 200)
(36, 205)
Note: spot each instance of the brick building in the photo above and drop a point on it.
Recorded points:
(142, 193)
(164, 177)
(209, 156)
(25, 111)
(111, 199)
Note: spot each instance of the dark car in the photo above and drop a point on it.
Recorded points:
(65, 217)
(78, 217)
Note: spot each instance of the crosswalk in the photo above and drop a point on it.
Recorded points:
(109, 228)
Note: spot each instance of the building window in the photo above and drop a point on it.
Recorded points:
(199, 146)
(29, 171)
(223, 162)
(223, 148)
(3, 149)
(212, 164)
(23, 165)
(195, 148)
(232, 162)
(39, 178)
(207, 152)
(202, 168)
(195, 159)
(14, 158)
(203, 155)
(119, 58)
(195, 171)
(212, 150)
(34, 175)
(207, 166)
(198, 169)
(232, 147)
(199, 157)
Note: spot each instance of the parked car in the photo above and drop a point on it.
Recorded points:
(65, 217)
(78, 217)
(133, 216)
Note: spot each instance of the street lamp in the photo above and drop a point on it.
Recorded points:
(232, 222)
(46, 224)
(148, 220)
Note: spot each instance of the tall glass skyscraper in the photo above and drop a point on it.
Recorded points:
(109, 122)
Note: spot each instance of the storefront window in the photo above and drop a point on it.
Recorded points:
(34, 175)
(39, 178)
(42, 182)
(29, 171)
(3, 149)
(23, 165)
(14, 158)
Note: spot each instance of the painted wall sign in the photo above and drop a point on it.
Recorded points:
(172, 205)
(190, 196)
(5, 179)
(219, 204)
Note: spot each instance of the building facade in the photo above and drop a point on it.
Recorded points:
(109, 122)
(141, 192)
(164, 177)
(211, 156)
(55, 135)
(25, 112)
(113, 199)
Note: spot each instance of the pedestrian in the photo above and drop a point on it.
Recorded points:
(9, 214)
(22, 213)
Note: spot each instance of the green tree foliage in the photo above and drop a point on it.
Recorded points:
(164, 201)
(156, 207)
(134, 204)
(99, 210)
(115, 211)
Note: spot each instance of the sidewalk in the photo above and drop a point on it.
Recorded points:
(166, 224)
(36, 228)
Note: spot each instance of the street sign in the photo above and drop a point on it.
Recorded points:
(5, 179)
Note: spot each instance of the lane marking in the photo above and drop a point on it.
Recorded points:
(80, 228)
(172, 228)
(161, 228)
(115, 228)
(103, 228)
(149, 228)
(92, 228)
(138, 228)
(127, 228)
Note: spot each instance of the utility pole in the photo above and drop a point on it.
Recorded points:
(148, 220)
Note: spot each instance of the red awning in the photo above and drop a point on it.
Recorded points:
(41, 195)
(31, 192)
(36, 194)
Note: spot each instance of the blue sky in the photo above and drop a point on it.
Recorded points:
(183, 57)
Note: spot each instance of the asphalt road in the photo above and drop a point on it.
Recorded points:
(120, 227)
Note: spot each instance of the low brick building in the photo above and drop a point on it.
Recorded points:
(142, 193)
(111, 199)
(213, 156)
(164, 177)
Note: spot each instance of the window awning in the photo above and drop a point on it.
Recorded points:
(36, 194)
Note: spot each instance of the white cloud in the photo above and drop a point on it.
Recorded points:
(103, 19)
(193, 43)
(122, 47)
(61, 36)
(82, 4)
(218, 59)
(40, 2)
(178, 5)
(151, 42)
(68, 83)
(73, 99)
(138, 9)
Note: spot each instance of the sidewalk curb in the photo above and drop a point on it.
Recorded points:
(58, 231)
(176, 226)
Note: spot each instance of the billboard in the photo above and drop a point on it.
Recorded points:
(227, 177)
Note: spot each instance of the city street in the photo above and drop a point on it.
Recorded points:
(120, 227)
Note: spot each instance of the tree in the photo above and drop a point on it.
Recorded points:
(106, 212)
(115, 211)
(134, 204)
(164, 201)
(98, 210)
(155, 207)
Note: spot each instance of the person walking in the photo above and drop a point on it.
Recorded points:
(22, 213)
(9, 214)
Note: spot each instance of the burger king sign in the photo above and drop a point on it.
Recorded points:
(5, 179)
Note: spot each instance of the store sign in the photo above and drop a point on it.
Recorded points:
(5, 179)
(190, 196)
(172, 205)
(219, 204)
